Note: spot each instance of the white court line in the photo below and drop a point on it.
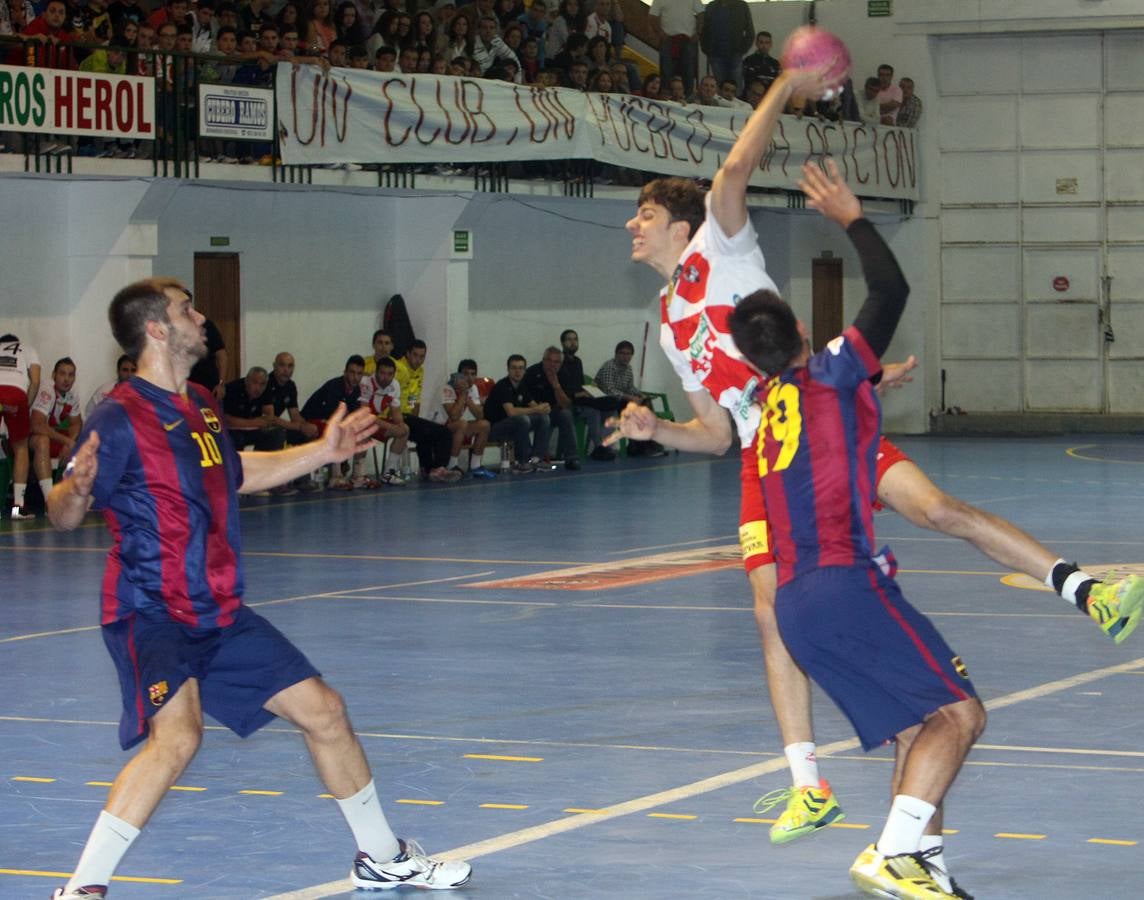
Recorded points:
(706, 785)
(327, 594)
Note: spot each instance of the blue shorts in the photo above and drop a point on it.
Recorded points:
(238, 668)
(879, 659)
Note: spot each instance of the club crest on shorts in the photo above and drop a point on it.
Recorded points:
(211, 419)
(959, 667)
(158, 693)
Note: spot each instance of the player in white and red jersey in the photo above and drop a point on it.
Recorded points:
(19, 382)
(381, 392)
(55, 422)
(690, 241)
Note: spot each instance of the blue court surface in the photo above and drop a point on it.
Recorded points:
(601, 728)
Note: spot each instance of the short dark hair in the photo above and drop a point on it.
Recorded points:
(357, 51)
(763, 34)
(8, 337)
(355, 360)
(124, 358)
(873, 81)
(467, 364)
(226, 29)
(416, 344)
(681, 197)
(625, 345)
(63, 361)
(886, 66)
(385, 51)
(136, 305)
(566, 332)
(765, 330)
(515, 357)
(378, 334)
(386, 362)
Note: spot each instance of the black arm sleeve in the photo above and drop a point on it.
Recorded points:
(885, 285)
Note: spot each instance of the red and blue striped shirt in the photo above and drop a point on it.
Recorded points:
(167, 484)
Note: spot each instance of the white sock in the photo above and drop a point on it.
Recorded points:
(803, 763)
(367, 822)
(18, 493)
(1067, 580)
(940, 873)
(908, 818)
(454, 463)
(475, 460)
(45, 487)
(108, 841)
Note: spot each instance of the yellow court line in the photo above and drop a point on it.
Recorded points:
(1019, 837)
(32, 779)
(1114, 843)
(756, 821)
(1072, 451)
(504, 758)
(263, 793)
(586, 812)
(422, 802)
(671, 816)
(503, 806)
(132, 879)
(857, 826)
(181, 787)
(98, 783)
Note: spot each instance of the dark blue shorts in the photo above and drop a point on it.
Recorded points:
(238, 668)
(877, 657)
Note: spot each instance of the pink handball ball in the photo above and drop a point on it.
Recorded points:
(809, 47)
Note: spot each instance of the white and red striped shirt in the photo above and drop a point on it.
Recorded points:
(714, 273)
(59, 408)
(380, 399)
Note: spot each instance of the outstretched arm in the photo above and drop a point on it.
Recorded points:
(345, 435)
(885, 285)
(708, 432)
(728, 198)
(70, 500)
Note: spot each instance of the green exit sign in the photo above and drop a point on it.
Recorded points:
(876, 8)
(461, 241)
(218, 240)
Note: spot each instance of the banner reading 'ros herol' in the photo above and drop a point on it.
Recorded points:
(55, 101)
(358, 116)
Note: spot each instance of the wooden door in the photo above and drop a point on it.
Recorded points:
(826, 294)
(217, 296)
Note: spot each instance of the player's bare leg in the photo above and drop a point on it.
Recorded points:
(810, 803)
(1117, 608)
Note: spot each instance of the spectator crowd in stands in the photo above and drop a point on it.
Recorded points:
(569, 43)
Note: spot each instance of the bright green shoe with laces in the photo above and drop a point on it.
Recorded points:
(807, 810)
(1117, 607)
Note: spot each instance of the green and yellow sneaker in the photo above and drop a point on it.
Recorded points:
(807, 810)
(1117, 607)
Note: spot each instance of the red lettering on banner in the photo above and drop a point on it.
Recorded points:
(893, 169)
(385, 86)
(858, 176)
(477, 112)
(550, 120)
(449, 119)
(421, 119)
(83, 102)
(103, 106)
(322, 85)
(123, 104)
(64, 101)
(695, 118)
(142, 124)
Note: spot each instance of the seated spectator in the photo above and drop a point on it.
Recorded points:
(55, 423)
(385, 60)
(514, 414)
(652, 86)
(600, 82)
(54, 32)
(242, 408)
(599, 23)
(382, 394)
(707, 92)
(590, 408)
(124, 369)
(869, 110)
(615, 378)
(599, 54)
(459, 409)
(727, 98)
(570, 19)
(122, 11)
(346, 388)
(348, 23)
(321, 31)
(911, 109)
(357, 57)
(534, 22)
(111, 61)
(576, 50)
(542, 380)
(174, 11)
(530, 62)
(211, 370)
(578, 75)
(756, 90)
(675, 90)
(203, 27)
(434, 441)
(91, 23)
(280, 402)
(760, 65)
(889, 94)
(489, 47)
(19, 381)
(382, 349)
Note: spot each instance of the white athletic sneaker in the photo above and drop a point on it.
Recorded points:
(411, 867)
(91, 890)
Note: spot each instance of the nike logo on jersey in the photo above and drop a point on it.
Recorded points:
(172, 425)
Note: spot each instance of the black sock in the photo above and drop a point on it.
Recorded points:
(1060, 576)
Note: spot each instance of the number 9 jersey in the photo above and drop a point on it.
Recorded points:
(167, 485)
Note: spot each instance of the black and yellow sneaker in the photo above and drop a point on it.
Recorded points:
(902, 875)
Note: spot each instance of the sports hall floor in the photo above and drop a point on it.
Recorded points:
(601, 732)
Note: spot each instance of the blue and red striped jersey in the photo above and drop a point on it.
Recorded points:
(818, 443)
(167, 485)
